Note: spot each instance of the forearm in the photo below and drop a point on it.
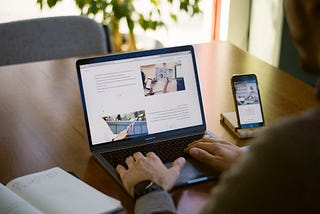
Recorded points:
(155, 202)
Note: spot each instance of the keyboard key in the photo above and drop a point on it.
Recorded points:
(167, 151)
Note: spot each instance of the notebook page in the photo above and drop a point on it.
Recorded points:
(11, 203)
(56, 191)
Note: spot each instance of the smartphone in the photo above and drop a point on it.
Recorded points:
(148, 83)
(247, 101)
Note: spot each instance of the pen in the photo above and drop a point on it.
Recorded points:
(200, 179)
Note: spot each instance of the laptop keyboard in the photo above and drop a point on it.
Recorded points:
(168, 151)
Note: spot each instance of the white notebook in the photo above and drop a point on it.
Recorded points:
(54, 191)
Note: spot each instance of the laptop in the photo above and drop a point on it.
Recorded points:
(144, 101)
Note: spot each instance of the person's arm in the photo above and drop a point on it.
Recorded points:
(155, 202)
(150, 167)
(279, 174)
(219, 154)
(165, 85)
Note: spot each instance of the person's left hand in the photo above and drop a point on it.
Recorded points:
(149, 167)
(219, 154)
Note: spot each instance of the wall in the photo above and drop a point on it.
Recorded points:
(239, 23)
(266, 30)
(256, 26)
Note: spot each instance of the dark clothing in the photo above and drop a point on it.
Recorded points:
(279, 174)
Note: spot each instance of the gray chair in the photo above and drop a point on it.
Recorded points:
(51, 38)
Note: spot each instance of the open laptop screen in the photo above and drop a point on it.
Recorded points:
(137, 94)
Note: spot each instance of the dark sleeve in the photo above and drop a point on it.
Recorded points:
(279, 174)
(154, 203)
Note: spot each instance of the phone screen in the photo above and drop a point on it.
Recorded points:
(148, 83)
(247, 100)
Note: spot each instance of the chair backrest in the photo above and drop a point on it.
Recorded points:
(51, 38)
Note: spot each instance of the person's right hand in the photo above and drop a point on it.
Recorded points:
(219, 154)
(149, 167)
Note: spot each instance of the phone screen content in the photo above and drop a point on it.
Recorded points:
(148, 83)
(248, 102)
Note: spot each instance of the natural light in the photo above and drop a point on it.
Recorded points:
(186, 31)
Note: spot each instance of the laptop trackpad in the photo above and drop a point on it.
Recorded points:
(194, 171)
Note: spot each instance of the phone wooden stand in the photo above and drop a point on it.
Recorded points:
(229, 119)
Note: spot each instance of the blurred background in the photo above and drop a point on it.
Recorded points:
(256, 26)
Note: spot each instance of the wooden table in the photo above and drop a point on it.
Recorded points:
(42, 122)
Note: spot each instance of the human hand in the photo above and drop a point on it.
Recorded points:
(129, 127)
(219, 154)
(123, 134)
(153, 82)
(149, 167)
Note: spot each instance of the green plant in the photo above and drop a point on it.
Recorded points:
(113, 11)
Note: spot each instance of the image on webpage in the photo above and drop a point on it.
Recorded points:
(162, 78)
(127, 125)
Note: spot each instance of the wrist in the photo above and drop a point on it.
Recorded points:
(145, 187)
